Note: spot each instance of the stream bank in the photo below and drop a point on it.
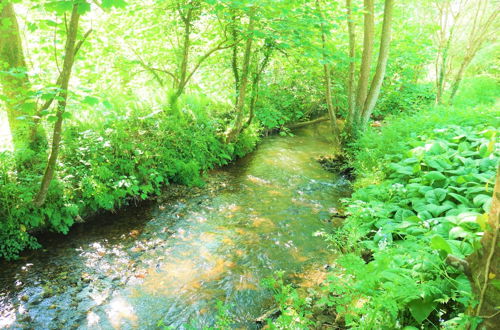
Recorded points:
(173, 260)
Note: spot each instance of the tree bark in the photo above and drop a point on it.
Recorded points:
(256, 84)
(233, 133)
(485, 265)
(478, 35)
(20, 110)
(366, 59)
(306, 123)
(234, 56)
(69, 59)
(351, 97)
(383, 56)
(327, 82)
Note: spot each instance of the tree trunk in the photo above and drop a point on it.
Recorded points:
(69, 59)
(20, 110)
(268, 50)
(484, 266)
(383, 56)
(364, 73)
(329, 104)
(184, 60)
(442, 70)
(458, 78)
(328, 83)
(232, 135)
(351, 97)
(234, 57)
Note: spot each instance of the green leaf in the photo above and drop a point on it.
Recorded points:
(90, 100)
(439, 243)
(460, 198)
(420, 310)
(458, 232)
(436, 195)
(481, 200)
(435, 176)
(107, 104)
(113, 3)
(59, 7)
(83, 7)
(482, 220)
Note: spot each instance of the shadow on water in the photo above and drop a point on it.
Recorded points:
(173, 260)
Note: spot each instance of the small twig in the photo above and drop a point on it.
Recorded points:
(80, 43)
(55, 48)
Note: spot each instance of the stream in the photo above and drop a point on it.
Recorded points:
(169, 262)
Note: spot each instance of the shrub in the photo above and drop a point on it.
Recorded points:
(105, 166)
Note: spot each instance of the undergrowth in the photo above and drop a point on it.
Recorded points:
(127, 157)
(423, 189)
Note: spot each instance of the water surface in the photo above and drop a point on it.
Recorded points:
(170, 262)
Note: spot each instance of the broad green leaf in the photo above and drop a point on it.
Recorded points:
(460, 199)
(436, 195)
(439, 243)
(482, 200)
(90, 100)
(113, 3)
(420, 309)
(435, 176)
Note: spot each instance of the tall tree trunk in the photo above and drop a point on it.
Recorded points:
(329, 104)
(351, 97)
(458, 78)
(256, 84)
(69, 59)
(234, 56)
(20, 110)
(233, 133)
(328, 83)
(485, 265)
(366, 60)
(186, 45)
(442, 69)
(383, 56)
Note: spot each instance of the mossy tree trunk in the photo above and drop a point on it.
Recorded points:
(69, 59)
(484, 266)
(354, 118)
(16, 87)
(383, 56)
(236, 128)
(351, 97)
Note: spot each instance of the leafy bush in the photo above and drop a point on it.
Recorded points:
(408, 99)
(482, 89)
(103, 167)
(422, 194)
(434, 202)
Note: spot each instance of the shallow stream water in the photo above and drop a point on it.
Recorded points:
(170, 262)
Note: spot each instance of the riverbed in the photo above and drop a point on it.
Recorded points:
(170, 262)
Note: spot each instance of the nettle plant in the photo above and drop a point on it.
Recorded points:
(433, 206)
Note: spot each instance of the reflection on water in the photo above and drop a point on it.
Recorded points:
(187, 255)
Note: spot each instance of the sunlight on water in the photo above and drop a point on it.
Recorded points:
(175, 264)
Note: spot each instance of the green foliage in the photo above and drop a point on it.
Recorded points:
(436, 190)
(103, 167)
(295, 310)
(409, 99)
(482, 89)
(423, 192)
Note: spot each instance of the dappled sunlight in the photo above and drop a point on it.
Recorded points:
(120, 311)
(220, 248)
(5, 134)
(8, 316)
